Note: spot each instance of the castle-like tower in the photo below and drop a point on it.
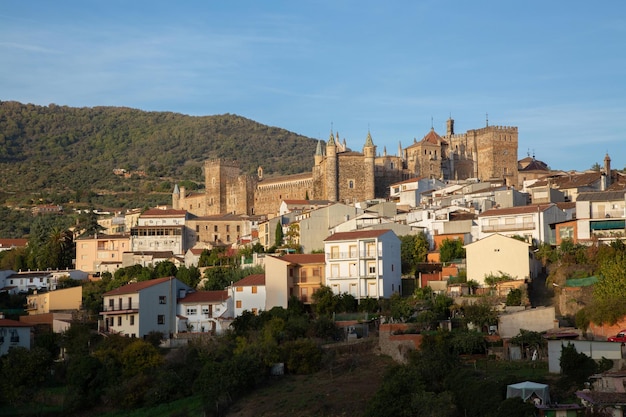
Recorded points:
(345, 176)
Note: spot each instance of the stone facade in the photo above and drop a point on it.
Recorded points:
(342, 175)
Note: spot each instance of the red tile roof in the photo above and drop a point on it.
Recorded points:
(10, 243)
(204, 296)
(12, 323)
(361, 234)
(137, 286)
(534, 208)
(309, 258)
(251, 280)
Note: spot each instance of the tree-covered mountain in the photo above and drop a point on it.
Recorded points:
(70, 154)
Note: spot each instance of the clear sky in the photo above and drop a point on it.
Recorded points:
(555, 69)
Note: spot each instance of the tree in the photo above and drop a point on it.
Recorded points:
(87, 224)
(610, 291)
(413, 250)
(292, 237)
(576, 367)
(325, 301)
(451, 249)
(278, 237)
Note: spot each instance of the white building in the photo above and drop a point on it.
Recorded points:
(531, 222)
(140, 308)
(160, 230)
(249, 294)
(13, 334)
(205, 311)
(363, 263)
(21, 282)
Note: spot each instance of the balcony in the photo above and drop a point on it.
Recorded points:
(354, 255)
(494, 228)
(124, 308)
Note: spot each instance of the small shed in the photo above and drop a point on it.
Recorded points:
(538, 393)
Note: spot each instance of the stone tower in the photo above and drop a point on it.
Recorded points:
(369, 156)
(331, 169)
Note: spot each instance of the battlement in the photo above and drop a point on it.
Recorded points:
(229, 162)
(503, 129)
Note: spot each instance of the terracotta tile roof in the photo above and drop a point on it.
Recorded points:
(601, 196)
(302, 258)
(196, 252)
(534, 208)
(204, 296)
(137, 286)
(575, 180)
(360, 234)
(251, 280)
(163, 213)
(10, 243)
(12, 323)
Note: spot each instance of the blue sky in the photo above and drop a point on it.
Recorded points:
(554, 69)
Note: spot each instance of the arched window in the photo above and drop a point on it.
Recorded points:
(351, 184)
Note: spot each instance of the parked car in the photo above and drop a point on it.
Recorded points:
(619, 337)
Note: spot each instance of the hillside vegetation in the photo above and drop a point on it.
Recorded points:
(60, 154)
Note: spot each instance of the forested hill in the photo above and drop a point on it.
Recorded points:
(59, 150)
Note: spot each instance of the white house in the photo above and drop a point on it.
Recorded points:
(249, 294)
(142, 307)
(13, 334)
(531, 222)
(160, 230)
(205, 311)
(497, 255)
(21, 282)
(363, 263)
(409, 192)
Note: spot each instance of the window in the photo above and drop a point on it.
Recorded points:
(132, 320)
(238, 303)
(334, 252)
(228, 238)
(303, 275)
(371, 249)
(353, 251)
(353, 270)
(371, 268)
(192, 311)
(162, 299)
(228, 228)
(215, 228)
(239, 289)
(119, 321)
(351, 184)
(238, 228)
(254, 311)
(161, 319)
(111, 303)
(334, 271)
(197, 228)
(254, 290)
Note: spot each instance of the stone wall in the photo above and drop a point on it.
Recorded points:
(397, 346)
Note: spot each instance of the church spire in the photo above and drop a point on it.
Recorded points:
(368, 140)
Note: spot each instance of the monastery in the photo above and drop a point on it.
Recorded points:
(342, 175)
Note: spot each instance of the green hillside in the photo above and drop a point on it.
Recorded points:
(63, 154)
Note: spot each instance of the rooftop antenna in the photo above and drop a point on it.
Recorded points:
(487, 118)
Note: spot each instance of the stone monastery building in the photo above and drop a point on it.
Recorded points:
(342, 175)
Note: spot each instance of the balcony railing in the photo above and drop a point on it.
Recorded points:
(489, 228)
(123, 307)
(354, 255)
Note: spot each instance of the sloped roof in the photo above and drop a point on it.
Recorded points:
(535, 165)
(13, 323)
(303, 258)
(251, 280)
(533, 208)
(137, 286)
(360, 234)
(601, 196)
(570, 180)
(204, 297)
(10, 243)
